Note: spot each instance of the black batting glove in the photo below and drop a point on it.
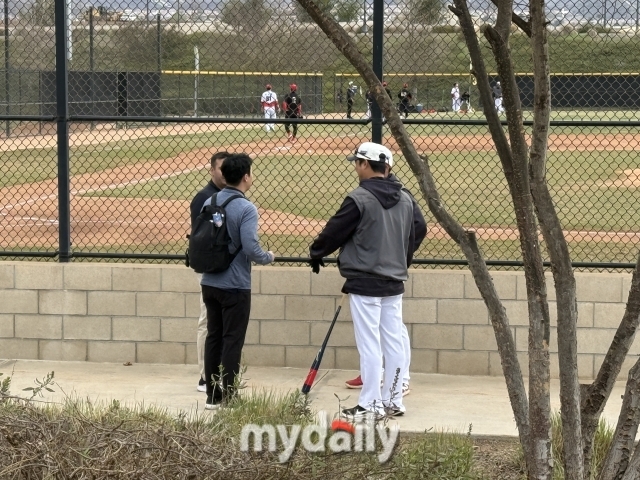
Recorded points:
(316, 263)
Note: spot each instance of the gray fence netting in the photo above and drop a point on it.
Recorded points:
(154, 89)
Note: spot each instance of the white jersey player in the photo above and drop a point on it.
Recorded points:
(270, 104)
(455, 98)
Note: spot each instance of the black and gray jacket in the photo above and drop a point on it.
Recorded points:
(377, 229)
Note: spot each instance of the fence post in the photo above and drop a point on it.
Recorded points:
(92, 65)
(62, 109)
(7, 109)
(159, 54)
(378, 43)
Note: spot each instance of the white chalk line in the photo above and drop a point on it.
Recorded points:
(103, 188)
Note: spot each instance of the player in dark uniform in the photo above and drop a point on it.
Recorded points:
(387, 89)
(351, 92)
(370, 99)
(292, 106)
(405, 100)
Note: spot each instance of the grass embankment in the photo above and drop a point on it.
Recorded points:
(78, 439)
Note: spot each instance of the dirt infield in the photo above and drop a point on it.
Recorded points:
(29, 211)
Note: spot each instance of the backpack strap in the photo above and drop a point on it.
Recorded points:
(224, 204)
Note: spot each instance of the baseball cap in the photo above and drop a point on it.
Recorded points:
(373, 152)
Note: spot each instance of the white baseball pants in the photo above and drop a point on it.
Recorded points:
(498, 105)
(269, 113)
(455, 104)
(406, 346)
(377, 323)
(202, 332)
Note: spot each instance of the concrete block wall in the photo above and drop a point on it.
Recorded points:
(148, 314)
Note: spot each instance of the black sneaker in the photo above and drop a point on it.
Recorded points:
(393, 412)
(202, 385)
(359, 412)
(213, 403)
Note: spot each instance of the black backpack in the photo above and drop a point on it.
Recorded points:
(209, 240)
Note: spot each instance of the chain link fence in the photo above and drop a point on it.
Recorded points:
(150, 90)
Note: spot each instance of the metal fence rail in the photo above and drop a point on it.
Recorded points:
(110, 115)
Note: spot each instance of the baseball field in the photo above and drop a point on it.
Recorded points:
(131, 187)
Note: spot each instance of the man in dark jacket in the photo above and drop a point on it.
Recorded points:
(420, 227)
(216, 184)
(375, 232)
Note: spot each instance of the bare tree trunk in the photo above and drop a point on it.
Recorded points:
(595, 396)
(622, 444)
(633, 470)
(514, 160)
(565, 284)
(466, 240)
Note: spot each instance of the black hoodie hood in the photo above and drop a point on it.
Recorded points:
(386, 190)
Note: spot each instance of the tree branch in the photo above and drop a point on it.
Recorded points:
(595, 396)
(503, 21)
(551, 227)
(523, 24)
(617, 460)
(515, 165)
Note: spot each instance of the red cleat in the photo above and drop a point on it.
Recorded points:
(355, 383)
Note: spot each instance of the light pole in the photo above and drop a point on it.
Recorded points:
(365, 29)
(195, 86)
(7, 110)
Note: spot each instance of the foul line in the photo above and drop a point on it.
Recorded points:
(99, 189)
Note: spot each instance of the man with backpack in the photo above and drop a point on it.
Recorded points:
(216, 184)
(227, 293)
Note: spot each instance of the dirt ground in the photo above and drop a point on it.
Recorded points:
(497, 458)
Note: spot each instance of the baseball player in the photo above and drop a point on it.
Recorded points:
(351, 92)
(387, 89)
(374, 230)
(497, 97)
(455, 98)
(405, 100)
(369, 98)
(292, 106)
(269, 103)
(420, 227)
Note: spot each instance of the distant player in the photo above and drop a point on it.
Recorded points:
(455, 98)
(292, 106)
(351, 92)
(387, 89)
(497, 97)
(369, 97)
(269, 102)
(405, 100)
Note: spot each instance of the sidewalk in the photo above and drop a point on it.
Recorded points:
(440, 402)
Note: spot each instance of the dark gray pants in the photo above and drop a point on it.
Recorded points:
(227, 321)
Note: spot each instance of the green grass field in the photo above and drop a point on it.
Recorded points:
(313, 185)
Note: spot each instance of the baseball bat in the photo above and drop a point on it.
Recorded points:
(311, 376)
